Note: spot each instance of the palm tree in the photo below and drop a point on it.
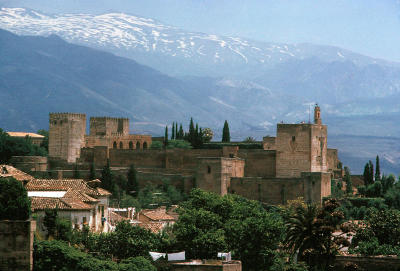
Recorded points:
(309, 233)
(301, 230)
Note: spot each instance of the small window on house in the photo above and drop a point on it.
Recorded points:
(114, 145)
(121, 145)
(138, 145)
(208, 169)
(84, 220)
(130, 145)
(145, 145)
(293, 138)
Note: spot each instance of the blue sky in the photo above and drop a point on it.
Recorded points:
(364, 26)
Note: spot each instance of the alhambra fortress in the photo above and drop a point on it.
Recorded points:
(295, 163)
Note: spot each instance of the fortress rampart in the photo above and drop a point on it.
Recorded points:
(295, 163)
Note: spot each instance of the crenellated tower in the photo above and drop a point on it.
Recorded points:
(301, 147)
(106, 126)
(66, 135)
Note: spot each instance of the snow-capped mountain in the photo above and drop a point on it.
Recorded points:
(167, 48)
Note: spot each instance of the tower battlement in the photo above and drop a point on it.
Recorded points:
(66, 115)
(66, 135)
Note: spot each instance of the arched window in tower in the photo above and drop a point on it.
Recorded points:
(130, 145)
(208, 169)
(144, 145)
(121, 145)
(114, 145)
(138, 145)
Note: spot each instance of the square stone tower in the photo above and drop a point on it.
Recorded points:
(66, 135)
(301, 148)
(106, 126)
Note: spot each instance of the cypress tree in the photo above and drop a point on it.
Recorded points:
(92, 173)
(181, 133)
(366, 174)
(107, 178)
(347, 179)
(226, 137)
(166, 136)
(190, 135)
(133, 185)
(77, 175)
(176, 130)
(377, 169)
(371, 172)
(173, 131)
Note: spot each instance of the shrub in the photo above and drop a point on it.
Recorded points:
(57, 255)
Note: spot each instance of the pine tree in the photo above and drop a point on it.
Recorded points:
(226, 137)
(166, 136)
(133, 186)
(377, 170)
(173, 131)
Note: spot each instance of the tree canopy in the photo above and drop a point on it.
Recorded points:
(14, 201)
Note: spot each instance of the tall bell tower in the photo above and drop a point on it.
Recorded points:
(317, 115)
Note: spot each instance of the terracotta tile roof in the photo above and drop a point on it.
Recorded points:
(102, 192)
(114, 217)
(39, 203)
(157, 215)
(23, 134)
(63, 185)
(75, 194)
(9, 171)
(154, 227)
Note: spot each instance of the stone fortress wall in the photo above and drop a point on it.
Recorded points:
(295, 163)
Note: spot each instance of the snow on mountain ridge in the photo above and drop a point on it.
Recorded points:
(129, 32)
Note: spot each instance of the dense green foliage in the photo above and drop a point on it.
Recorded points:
(57, 227)
(45, 142)
(14, 201)
(57, 255)
(380, 234)
(179, 144)
(164, 195)
(310, 233)
(156, 145)
(209, 224)
(12, 146)
(226, 137)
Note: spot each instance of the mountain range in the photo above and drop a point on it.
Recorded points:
(155, 74)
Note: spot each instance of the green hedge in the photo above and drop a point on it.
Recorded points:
(59, 256)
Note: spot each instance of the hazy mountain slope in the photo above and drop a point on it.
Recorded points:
(41, 75)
